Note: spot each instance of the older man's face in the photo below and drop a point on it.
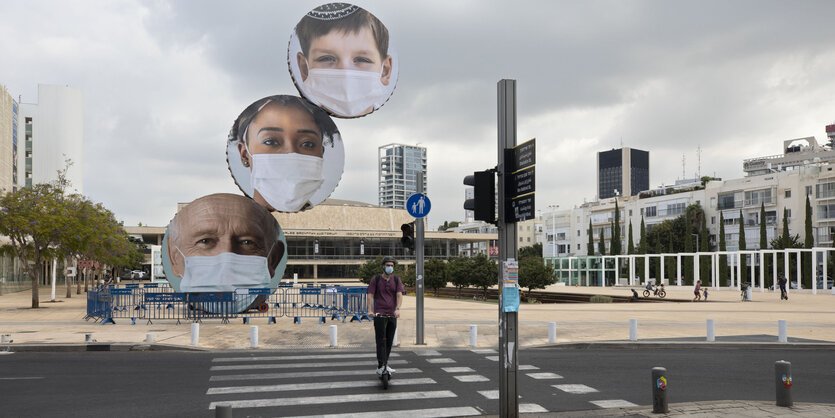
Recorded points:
(224, 223)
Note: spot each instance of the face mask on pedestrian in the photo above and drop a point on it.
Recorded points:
(389, 269)
(345, 92)
(286, 181)
(225, 272)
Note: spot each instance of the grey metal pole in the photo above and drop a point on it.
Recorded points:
(659, 390)
(783, 382)
(508, 321)
(419, 271)
(223, 411)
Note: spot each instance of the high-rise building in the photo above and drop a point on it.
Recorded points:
(8, 141)
(51, 133)
(622, 172)
(398, 169)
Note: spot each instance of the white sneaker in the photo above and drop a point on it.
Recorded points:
(379, 371)
(389, 369)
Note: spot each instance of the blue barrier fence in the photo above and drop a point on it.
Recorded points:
(160, 302)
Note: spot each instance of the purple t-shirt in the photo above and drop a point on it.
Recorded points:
(385, 293)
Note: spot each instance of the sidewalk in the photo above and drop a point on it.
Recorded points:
(709, 409)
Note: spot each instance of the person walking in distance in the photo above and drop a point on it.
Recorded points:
(697, 290)
(385, 295)
(781, 280)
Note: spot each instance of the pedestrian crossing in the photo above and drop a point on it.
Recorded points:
(427, 383)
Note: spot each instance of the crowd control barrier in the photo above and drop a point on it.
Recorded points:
(159, 302)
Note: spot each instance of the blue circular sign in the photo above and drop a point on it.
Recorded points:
(418, 205)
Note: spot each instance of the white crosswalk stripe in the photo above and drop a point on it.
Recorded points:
(296, 375)
(531, 408)
(614, 403)
(288, 358)
(313, 386)
(336, 399)
(299, 365)
(464, 411)
(540, 376)
(457, 369)
(575, 389)
(439, 360)
(469, 378)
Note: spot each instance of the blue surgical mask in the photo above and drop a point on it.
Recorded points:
(389, 269)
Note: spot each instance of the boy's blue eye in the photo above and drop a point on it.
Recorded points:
(325, 58)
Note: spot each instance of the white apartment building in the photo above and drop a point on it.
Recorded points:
(397, 172)
(49, 132)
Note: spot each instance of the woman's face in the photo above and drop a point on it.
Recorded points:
(281, 129)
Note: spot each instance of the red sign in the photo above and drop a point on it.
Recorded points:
(494, 250)
(86, 264)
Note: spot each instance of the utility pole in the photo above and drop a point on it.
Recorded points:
(508, 321)
(419, 270)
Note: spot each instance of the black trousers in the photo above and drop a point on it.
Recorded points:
(384, 335)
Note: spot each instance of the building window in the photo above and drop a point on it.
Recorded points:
(578, 232)
(808, 190)
(757, 197)
(529, 239)
(650, 211)
(789, 213)
(630, 212)
(578, 247)
(521, 239)
(713, 220)
(788, 193)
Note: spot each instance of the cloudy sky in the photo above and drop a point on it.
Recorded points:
(162, 82)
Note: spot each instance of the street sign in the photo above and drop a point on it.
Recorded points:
(418, 205)
(520, 208)
(521, 156)
(521, 182)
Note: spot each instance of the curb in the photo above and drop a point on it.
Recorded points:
(637, 345)
(122, 347)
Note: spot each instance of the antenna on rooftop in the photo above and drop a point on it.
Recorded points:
(699, 158)
(683, 176)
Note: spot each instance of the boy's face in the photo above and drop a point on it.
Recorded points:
(346, 51)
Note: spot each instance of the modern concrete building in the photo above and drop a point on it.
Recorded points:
(622, 172)
(51, 132)
(8, 141)
(398, 169)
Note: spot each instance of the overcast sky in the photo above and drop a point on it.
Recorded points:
(163, 81)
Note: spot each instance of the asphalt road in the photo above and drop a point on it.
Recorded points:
(443, 382)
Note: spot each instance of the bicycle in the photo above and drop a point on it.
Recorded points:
(385, 376)
(657, 291)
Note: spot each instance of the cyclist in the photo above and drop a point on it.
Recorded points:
(385, 295)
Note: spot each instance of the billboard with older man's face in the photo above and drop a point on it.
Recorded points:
(221, 243)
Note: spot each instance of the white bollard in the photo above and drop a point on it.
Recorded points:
(781, 331)
(633, 330)
(711, 331)
(394, 342)
(253, 336)
(149, 338)
(5, 338)
(333, 336)
(295, 278)
(473, 335)
(195, 333)
(552, 332)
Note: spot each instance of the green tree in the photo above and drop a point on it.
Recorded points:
(809, 242)
(616, 244)
(484, 273)
(531, 251)
(590, 244)
(704, 246)
(630, 249)
(408, 275)
(369, 269)
(643, 248)
(460, 273)
(688, 246)
(436, 274)
(743, 260)
(534, 274)
(786, 240)
(724, 272)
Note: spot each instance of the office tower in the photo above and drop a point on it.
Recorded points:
(622, 172)
(398, 168)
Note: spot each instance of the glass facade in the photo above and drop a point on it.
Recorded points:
(583, 271)
(399, 166)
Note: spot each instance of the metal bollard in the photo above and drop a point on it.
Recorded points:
(633, 330)
(88, 337)
(473, 335)
(195, 333)
(223, 411)
(253, 336)
(334, 336)
(552, 332)
(659, 390)
(711, 330)
(783, 382)
(149, 338)
(782, 332)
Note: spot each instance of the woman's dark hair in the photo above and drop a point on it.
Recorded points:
(320, 117)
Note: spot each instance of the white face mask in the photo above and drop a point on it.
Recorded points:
(345, 92)
(286, 181)
(225, 272)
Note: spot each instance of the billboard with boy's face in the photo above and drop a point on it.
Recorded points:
(342, 59)
(285, 153)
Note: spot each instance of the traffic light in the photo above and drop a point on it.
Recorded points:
(483, 203)
(408, 239)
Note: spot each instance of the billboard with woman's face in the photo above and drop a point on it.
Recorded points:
(341, 58)
(285, 153)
